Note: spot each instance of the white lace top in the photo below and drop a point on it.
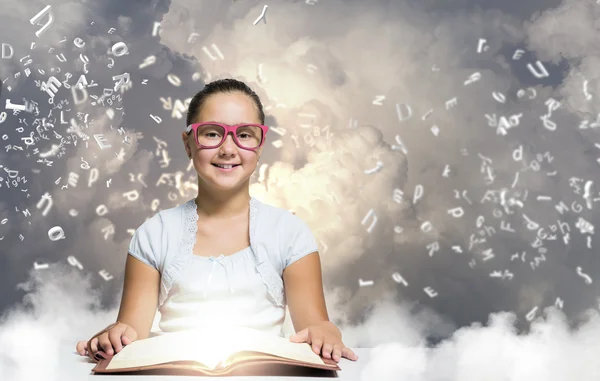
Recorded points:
(221, 291)
(244, 288)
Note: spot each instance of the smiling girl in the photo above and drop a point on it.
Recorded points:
(223, 258)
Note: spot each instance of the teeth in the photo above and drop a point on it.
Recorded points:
(228, 166)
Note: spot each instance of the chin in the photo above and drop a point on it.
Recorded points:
(226, 187)
(224, 180)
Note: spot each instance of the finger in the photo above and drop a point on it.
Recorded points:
(104, 343)
(126, 340)
(347, 353)
(337, 352)
(94, 345)
(327, 349)
(300, 336)
(92, 349)
(317, 343)
(129, 336)
(114, 336)
(80, 347)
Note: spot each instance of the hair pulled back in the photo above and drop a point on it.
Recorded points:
(226, 85)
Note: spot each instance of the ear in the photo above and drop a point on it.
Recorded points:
(186, 145)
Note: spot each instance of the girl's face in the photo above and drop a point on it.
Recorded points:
(228, 108)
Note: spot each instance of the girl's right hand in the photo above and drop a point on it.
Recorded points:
(107, 342)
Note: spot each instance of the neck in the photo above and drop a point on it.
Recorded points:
(214, 203)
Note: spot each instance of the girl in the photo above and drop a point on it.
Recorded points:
(223, 258)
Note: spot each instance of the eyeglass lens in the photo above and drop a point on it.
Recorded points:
(248, 136)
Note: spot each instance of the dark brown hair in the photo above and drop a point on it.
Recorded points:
(226, 85)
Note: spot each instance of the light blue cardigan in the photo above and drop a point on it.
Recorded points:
(278, 238)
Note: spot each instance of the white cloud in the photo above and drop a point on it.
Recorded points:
(360, 53)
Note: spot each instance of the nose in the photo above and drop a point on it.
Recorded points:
(229, 143)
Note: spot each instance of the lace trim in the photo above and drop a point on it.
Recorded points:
(181, 259)
(185, 252)
(265, 269)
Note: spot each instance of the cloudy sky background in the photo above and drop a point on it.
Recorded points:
(354, 67)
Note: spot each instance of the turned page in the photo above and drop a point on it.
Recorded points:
(196, 345)
(245, 339)
(209, 346)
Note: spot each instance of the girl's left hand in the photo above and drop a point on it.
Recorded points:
(325, 337)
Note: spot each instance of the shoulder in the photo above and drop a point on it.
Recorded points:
(165, 218)
(283, 222)
(152, 240)
(270, 215)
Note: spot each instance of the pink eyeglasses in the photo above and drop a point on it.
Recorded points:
(212, 134)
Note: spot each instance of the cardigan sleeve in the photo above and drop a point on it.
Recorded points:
(145, 244)
(300, 240)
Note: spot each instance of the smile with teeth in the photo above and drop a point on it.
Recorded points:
(225, 166)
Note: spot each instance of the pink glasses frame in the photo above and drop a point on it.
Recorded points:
(228, 128)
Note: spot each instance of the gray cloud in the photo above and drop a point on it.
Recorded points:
(413, 54)
(450, 44)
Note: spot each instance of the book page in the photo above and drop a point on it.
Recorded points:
(177, 346)
(246, 339)
(210, 347)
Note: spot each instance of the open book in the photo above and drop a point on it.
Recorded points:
(211, 351)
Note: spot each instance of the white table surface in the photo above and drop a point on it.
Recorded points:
(73, 366)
